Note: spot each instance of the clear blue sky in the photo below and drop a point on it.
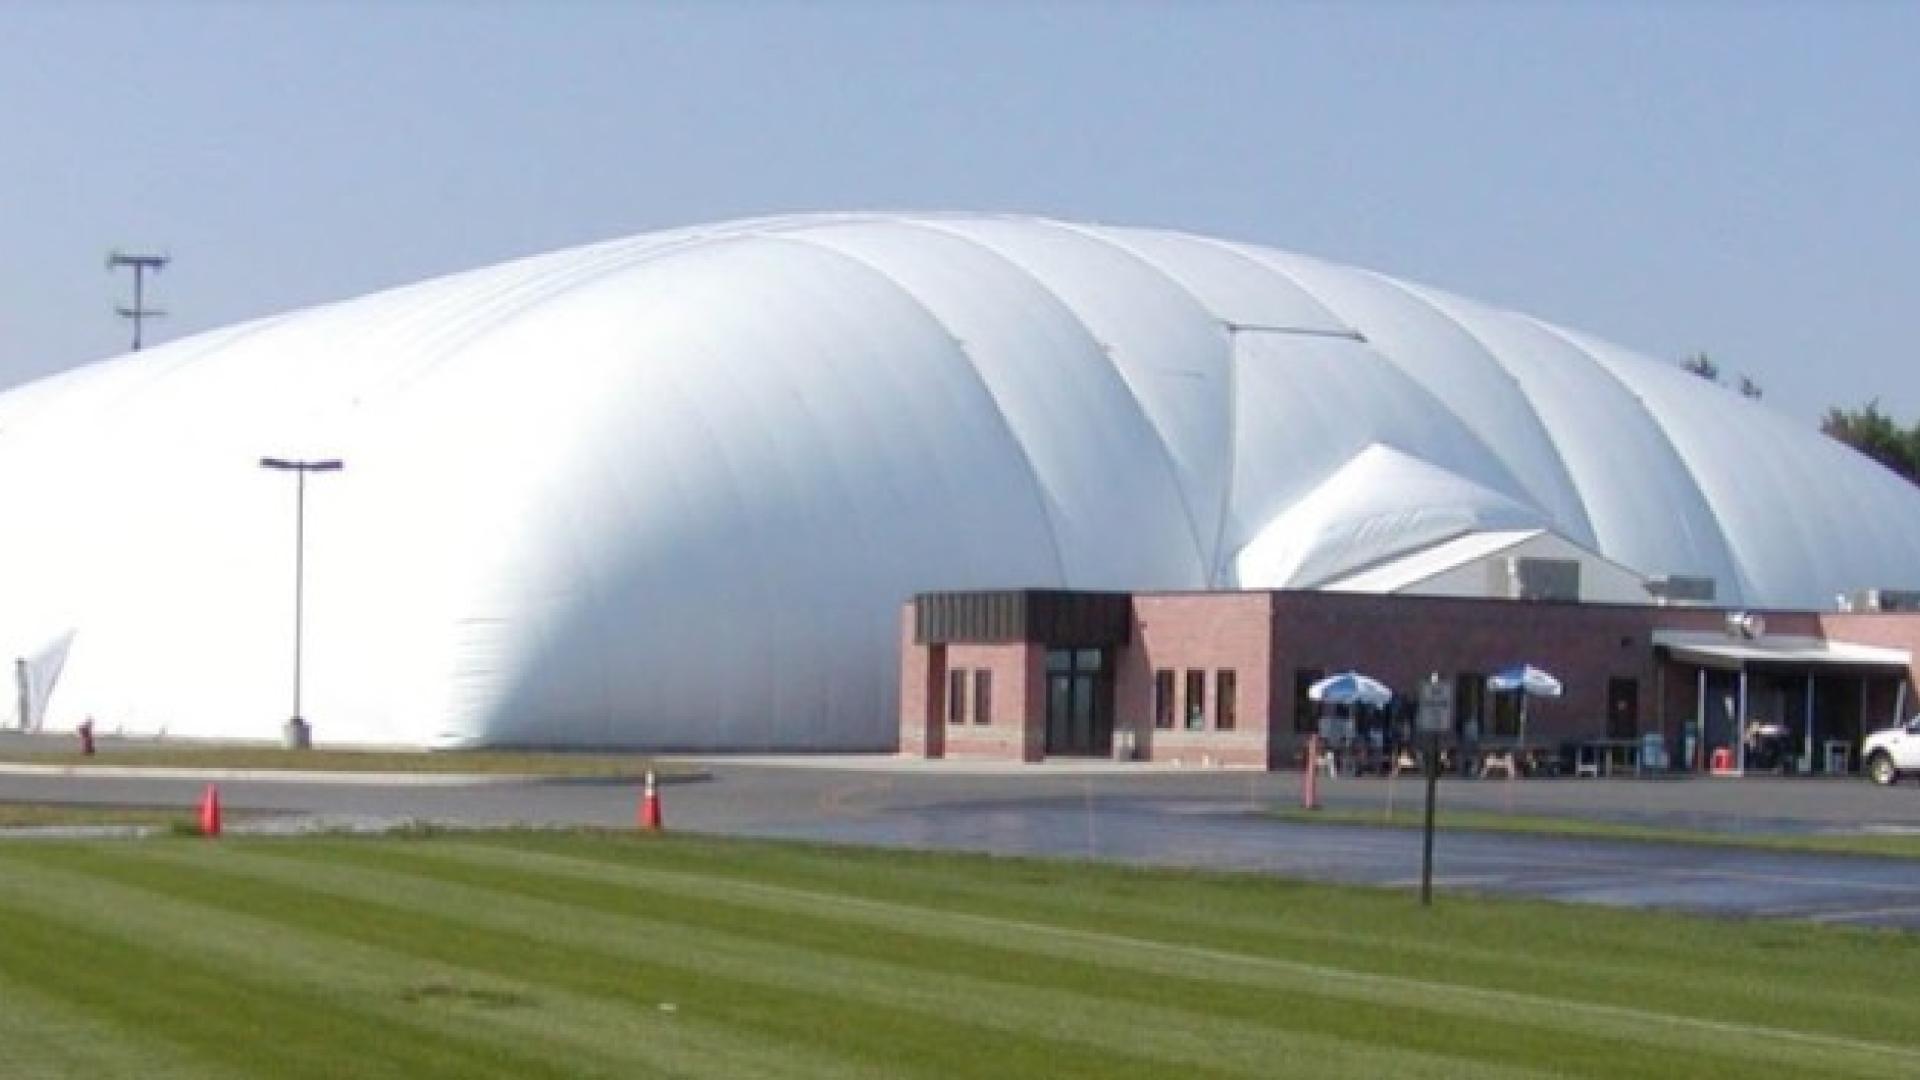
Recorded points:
(1742, 178)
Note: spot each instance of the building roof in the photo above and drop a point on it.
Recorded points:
(1418, 566)
(1722, 651)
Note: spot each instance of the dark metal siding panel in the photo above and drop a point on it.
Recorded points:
(1080, 618)
(985, 616)
(1045, 616)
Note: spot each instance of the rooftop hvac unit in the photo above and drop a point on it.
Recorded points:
(1886, 600)
(1521, 578)
(1681, 589)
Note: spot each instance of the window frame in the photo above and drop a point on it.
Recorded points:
(1195, 713)
(1163, 699)
(956, 696)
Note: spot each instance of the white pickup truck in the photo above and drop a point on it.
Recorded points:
(1893, 753)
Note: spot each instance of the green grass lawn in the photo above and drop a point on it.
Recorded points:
(494, 762)
(1893, 845)
(589, 955)
(14, 815)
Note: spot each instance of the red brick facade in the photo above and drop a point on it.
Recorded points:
(1203, 634)
(1268, 642)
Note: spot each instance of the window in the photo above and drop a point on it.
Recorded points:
(1196, 699)
(1506, 714)
(983, 696)
(957, 696)
(1469, 704)
(1305, 721)
(1223, 699)
(1163, 698)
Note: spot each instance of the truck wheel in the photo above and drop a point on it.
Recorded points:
(1880, 769)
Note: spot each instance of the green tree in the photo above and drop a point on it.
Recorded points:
(1878, 436)
(1707, 368)
(1702, 365)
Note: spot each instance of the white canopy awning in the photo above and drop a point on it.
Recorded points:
(1722, 651)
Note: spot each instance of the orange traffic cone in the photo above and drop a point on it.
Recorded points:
(650, 805)
(210, 811)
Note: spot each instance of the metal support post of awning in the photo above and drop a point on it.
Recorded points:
(1808, 758)
(1700, 749)
(1740, 727)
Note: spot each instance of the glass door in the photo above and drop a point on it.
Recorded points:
(1079, 720)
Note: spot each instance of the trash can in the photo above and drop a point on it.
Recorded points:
(1123, 744)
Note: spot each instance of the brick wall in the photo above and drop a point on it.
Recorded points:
(1892, 630)
(922, 674)
(1399, 640)
(1206, 632)
(1017, 722)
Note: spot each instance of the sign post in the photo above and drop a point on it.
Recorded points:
(1435, 719)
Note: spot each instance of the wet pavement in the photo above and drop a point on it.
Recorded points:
(1202, 819)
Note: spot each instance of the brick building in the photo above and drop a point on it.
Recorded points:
(1220, 677)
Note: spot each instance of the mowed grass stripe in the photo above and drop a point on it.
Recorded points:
(798, 997)
(1743, 969)
(1180, 1021)
(876, 970)
(43, 1037)
(1736, 970)
(222, 918)
(1727, 969)
(632, 1040)
(1703, 1037)
(885, 1001)
(162, 972)
(592, 1036)
(1580, 1045)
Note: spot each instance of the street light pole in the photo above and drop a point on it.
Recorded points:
(299, 734)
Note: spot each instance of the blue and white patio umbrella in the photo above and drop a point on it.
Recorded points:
(1531, 682)
(1527, 678)
(1350, 688)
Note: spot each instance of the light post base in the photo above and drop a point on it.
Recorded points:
(297, 734)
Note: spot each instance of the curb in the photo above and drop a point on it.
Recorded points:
(284, 776)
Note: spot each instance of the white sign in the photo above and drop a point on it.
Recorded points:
(1436, 707)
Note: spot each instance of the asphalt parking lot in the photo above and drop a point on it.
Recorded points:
(1205, 819)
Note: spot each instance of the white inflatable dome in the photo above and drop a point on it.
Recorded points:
(670, 491)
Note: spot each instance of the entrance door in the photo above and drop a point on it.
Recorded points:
(1079, 716)
(1623, 708)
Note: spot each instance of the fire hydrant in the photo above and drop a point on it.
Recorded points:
(85, 731)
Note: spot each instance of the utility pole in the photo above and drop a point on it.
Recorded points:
(141, 265)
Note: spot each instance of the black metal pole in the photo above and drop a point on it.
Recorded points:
(299, 577)
(1426, 845)
(297, 731)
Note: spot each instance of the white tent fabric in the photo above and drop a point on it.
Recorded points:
(669, 491)
(35, 674)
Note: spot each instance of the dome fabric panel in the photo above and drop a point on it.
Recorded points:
(1601, 432)
(668, 491)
